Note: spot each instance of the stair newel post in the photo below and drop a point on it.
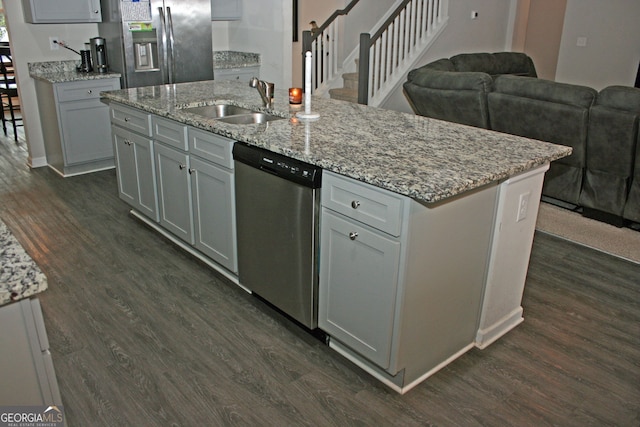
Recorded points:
(306, 47)
(363, 69)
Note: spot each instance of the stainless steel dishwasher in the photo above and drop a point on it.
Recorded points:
(277, 201)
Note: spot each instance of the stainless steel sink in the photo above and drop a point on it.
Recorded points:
(217, 111)
(233, 114)
(247, 119)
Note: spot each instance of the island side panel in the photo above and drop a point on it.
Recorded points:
(516, 216)
(442, 283)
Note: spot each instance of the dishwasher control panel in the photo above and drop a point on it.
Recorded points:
(279, 165)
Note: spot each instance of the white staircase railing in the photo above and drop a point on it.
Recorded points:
(388, 55)
(325, 43)
(384, 57)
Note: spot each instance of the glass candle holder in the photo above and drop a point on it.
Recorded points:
(295, 95)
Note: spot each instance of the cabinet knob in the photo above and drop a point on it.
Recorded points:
(126, 141)
(126, 119)
(355, 204)
(191, 171)
(182, 166)
(353, 235)
(96, 11)
(89, 91)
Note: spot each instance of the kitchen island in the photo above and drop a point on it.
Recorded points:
(425, 226)
(24, 348)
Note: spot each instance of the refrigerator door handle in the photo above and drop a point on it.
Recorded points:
(163, 28)
(172, 59)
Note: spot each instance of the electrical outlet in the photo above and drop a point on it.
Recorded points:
(52, 43)
(523, 206)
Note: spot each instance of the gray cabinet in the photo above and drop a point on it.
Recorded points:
(213, 189)
(61, 11)
(360, 279)
(26, 371)
(134, 159)
(400, 286)
(76, 125)
(195, 184)
(180, 177)
(226, 10)
(174, 191)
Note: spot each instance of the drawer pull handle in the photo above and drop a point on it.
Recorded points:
(353, 235)
(355, 204)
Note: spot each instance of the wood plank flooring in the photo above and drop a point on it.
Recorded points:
(143, 334)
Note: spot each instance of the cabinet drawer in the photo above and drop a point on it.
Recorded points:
(76, 91)
(370, 205)
(209, 146)
(170, 132)
(130, 118)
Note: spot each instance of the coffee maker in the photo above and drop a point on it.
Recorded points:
(99, 54)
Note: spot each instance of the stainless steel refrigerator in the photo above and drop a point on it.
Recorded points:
(152, 42)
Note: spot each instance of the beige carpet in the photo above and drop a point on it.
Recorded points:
(622, 242)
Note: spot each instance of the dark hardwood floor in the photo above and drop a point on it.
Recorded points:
(144, 335)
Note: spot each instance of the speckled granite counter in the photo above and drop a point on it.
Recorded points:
(425, 159)
(230, 59)
(63, 71)
(20, 277)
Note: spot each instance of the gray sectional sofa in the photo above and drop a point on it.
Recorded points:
(501, 91)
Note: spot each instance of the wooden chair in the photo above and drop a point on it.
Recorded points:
(9, 92)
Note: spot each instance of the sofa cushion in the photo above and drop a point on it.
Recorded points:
(621, 98)
(495, 64)
(548, 111)
(546, 90)
(453, 80)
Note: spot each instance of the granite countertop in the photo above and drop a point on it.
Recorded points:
(64, 71)
(426, 159)
(20, 277)
(228, 59)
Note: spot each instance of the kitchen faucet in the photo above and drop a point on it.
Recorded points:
(265, 89)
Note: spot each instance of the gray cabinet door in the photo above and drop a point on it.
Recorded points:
(214, 212)
(85, 131)
(174, 191)
(61, 11)
(358, 285)
(136, 171)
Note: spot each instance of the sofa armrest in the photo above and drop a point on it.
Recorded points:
(467, 107)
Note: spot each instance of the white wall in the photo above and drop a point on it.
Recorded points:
(266, 28)
(30, 43)
(611, 56)
(490, 32)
